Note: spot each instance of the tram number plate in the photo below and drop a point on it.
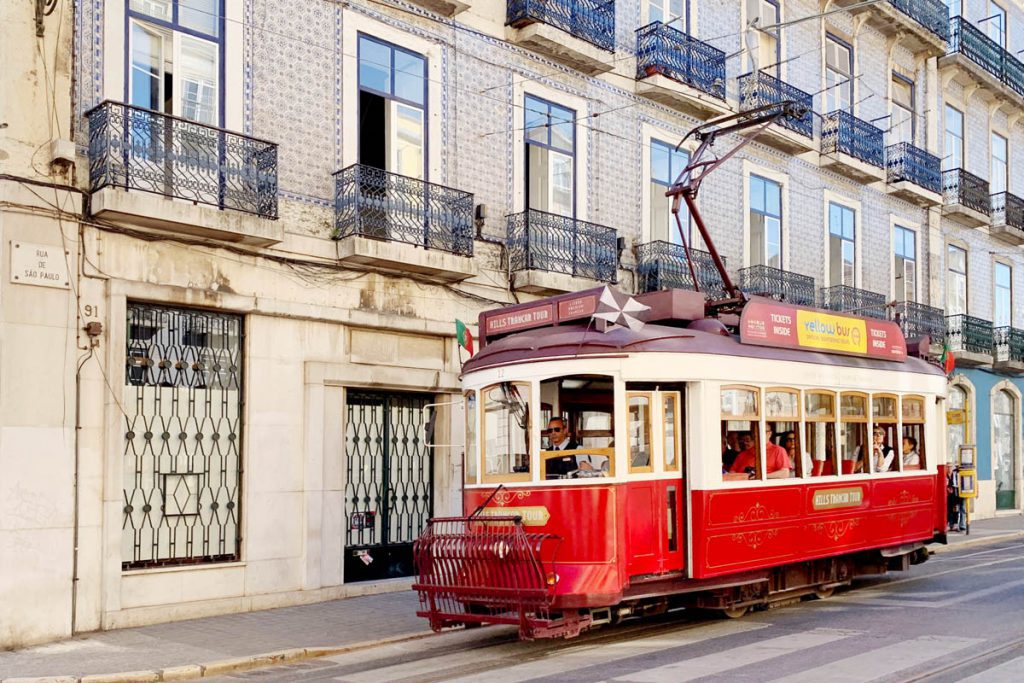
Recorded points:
(827, 499)
(361, 520)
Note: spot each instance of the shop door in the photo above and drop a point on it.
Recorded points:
(388, 484)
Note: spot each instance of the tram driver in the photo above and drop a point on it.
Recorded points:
(560, 439)
(779, 465)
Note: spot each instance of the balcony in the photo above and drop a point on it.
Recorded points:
(855, 301)
(580, 33)
(852, 147)
(391, 222)
(970, 340)
(662, 265)
(976, 59)
(913, 174)
(921, 25)
(211, 182)
(965, 198)
(778, 284)
(1009, 350)
(552, 254)
(917, 321)
(1008, 218)
(789, 135)
(680, 71)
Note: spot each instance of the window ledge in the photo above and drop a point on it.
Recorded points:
(171, 569)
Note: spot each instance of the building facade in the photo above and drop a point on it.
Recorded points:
(238, 234)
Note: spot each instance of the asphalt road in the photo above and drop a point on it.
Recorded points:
(958, 617)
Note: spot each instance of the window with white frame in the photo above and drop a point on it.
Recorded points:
(1003, 311)
(550, 157)
(392, 108)
(995, 23)
(901, 121)
(842, 249)
(765, 222)
(174, 56)
(1000, 166)
(838, 75)
(666, 164)
(956, 280)
(954, 139)
(765, 50)
(674, 13)
(905, 252)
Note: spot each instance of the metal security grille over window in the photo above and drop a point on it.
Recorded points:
(183, 425)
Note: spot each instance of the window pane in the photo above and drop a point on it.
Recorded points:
(409, 77)
(835, 260)
(835, 219)
(159, 9)
(655, 11)
(408, 140)
(506, 425)
(200, 15)
(374, 66)
(848, 264)
(561, 184)
(197, 74)
(773, 242)
(739, 403)
(147, 68)
(562, 129)
(680, 159)
(471, 438)
(957, 259)
(772, 198)
(662, 224)
(853, 406)
(883, 407)
(910, 273)
(539, 183)
(671, 408)
(1002, 275)
(820, 405)
(639, 432)
(660, 163)
(781, 404)
(757, 194)
(757, 239)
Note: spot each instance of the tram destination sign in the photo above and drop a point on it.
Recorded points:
(540, 313)
(766, 323)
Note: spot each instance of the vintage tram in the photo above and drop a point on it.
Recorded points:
(724, 463)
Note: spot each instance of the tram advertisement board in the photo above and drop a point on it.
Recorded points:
(767, 323)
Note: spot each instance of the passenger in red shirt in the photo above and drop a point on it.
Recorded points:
(779, 464)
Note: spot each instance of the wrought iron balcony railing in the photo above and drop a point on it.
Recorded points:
(967, 333)
(967, 39)
(589, 20)
(760, 89)
(917, 320)
(1009, 345)
(662, 265)
(932, 14)
(843, 132)
(852, 300)
(661, 49)
(912, 164)
(373, 203)
(543, 241)
(966, 189)
(138, 149)
(1008, 210)
(778, 284)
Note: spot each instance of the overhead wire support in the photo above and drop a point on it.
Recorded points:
(687, 184)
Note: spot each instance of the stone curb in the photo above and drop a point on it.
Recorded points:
(222, 666)
(970, 543)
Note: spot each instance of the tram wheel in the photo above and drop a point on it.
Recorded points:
(734, 612)
(824, 593)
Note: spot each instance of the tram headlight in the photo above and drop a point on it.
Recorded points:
(552, 579)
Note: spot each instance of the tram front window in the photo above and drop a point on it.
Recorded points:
(506, 431)
(578, 442)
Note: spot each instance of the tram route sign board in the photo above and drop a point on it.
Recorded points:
(767, 323)
(542, 313)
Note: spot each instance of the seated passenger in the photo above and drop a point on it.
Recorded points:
(561, 440)
(779, 466)
(728, 453)
(882, 455)
(911, 458)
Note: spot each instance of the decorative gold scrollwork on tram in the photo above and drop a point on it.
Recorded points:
(836, 529)
(904, 498)
(756, 513)
(505, 496)
(755, 539)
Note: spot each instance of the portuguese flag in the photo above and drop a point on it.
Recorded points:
(947, 360)
(464, 335)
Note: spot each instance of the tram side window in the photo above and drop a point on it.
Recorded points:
(672, 426)
(912, 450)
(506, 431)
(472, 456)
(741, 457)
(639, 431)
(853, 433)
(884, 456)
(820, 434)
(782, 419)
(578, 440)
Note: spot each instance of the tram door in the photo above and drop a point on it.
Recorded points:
(655, 489)
(388, 482)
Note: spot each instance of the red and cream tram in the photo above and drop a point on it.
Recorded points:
(619, 471)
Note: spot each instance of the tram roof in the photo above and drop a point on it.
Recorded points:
(581, 340)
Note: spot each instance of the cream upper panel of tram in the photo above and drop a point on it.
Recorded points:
(705, 375)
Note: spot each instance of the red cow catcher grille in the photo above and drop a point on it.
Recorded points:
(488, 570)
